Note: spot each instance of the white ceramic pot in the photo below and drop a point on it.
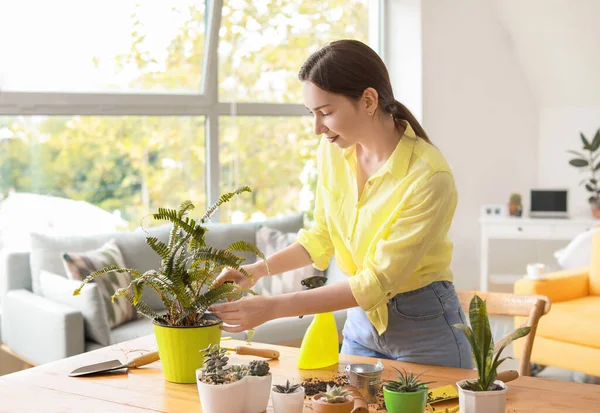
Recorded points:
(258, 389)
(288, 402)
(482, 401)
(222, 398)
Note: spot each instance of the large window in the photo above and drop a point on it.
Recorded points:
(101, 46)
(127, 165)
(130, 104)
(262, 44)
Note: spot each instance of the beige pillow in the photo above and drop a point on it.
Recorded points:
(270, 241)
(79, 265)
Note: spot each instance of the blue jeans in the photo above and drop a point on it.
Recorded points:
(419, 329)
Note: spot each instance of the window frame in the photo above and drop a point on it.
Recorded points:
(206, 103)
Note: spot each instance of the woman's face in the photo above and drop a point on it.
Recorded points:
(341, 120)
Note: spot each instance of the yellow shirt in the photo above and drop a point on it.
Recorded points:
(393, 238)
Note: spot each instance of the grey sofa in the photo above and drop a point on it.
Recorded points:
(42, 330)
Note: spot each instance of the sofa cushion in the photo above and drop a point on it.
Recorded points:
(134, 329)
(573, 321)
(79, 265)
(270, 241)
(89, 303)
(221, 235)
(47, 250)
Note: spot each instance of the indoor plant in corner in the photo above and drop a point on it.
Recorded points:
(334, 400)
(288, 398)
(486, 394)
(407, 394)
(185, 284)
(590, 162)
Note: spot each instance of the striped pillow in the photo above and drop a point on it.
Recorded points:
(79, 265)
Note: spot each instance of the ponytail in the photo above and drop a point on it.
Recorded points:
(400, 113)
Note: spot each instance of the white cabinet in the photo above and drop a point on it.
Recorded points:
(535, 229)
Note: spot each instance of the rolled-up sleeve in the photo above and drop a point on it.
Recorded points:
(415, 227)
(317, 240)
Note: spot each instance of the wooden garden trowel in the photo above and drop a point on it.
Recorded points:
(112, 365)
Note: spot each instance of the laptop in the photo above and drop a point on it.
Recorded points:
(549, 203)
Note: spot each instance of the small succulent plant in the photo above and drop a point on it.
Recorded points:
(287, 388)
(258, 368)
(336, 394)
(407, 382)
(239, 371)
(215, 362)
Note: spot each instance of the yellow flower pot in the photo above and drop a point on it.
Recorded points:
(179, 349)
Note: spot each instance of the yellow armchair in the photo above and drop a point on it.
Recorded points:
(569, 335)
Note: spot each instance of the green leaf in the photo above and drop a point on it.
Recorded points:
(596, 141)
(224, 198)
(586, 144)
(590, 187)
(474, 345)
(481, 331)
(579, 162)
(576, 153)
(597, 166)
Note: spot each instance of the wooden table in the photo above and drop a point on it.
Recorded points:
(47, 388)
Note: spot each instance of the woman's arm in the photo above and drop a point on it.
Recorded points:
(250, 312)
(289, 258)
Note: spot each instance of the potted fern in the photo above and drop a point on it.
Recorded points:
(185, 284)
(334, 400)
(406, 394)
(485, 394)
(288, 398)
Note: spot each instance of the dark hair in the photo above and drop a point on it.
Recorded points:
(349, 67)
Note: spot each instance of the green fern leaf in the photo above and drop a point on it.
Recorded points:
(223, 199)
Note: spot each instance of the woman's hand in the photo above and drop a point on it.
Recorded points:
(229, 274)
(244, 314)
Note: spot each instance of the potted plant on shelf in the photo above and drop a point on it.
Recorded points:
(220, 387)
(589, 162)
(515, 208)
(485, 394)
(258, 386)
(407, 394)
(288, 398)
(334, 400)
(185, 284)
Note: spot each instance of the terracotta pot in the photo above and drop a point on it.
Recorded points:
(596, 212)
(321, 406)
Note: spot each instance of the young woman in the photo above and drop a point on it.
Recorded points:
(384, 203)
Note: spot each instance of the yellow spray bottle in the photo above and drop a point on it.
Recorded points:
(320, 345)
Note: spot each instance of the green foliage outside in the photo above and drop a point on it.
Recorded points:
(135, 163)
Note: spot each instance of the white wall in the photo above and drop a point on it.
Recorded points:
(559, 132)
(403, 52)
(479, 110)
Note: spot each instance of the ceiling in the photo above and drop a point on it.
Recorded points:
(558, 45)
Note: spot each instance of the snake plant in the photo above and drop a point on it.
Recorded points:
(189, 267)
(482, 344)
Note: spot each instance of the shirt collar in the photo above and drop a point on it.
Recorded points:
(397, 164)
